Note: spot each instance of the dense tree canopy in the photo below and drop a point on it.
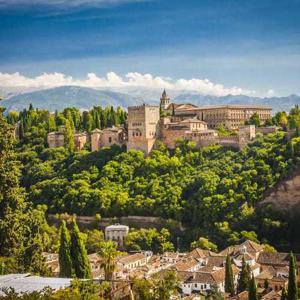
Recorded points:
(214, 191)
(23, 229)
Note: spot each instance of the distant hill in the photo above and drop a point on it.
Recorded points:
(68, 96)
(85, 98)
(277, 103)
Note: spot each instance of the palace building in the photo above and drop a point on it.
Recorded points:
(146, 125)
(230, 116)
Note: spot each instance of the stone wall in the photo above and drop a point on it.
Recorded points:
(80, 139)
(55, 139)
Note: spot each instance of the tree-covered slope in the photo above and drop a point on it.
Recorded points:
(214, 191)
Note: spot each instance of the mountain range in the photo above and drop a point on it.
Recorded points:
(85, 98)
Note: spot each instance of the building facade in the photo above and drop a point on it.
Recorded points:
(107, 137)
(143, 127)
(57, 139)
(146, 125)
(116, 233)
(229, 116)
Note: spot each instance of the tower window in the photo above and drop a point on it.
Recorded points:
(109, 139)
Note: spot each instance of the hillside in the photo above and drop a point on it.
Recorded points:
(284, 201)
(277, 103)
(85, 98)
(68, 96)
(285, 197)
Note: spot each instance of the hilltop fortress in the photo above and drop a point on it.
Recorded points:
(171, 122)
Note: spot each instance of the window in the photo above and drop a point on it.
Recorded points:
(109, 139)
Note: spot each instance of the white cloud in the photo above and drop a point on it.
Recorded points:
(270, 93)
(113, 80)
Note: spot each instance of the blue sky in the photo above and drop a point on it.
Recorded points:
(249, 44)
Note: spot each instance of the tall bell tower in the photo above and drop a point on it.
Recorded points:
(164, 100)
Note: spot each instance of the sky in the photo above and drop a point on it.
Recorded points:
(211, 46)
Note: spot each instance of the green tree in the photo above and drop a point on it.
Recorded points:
(79, 255)
(229, 281)
(21, 130)
(65, 261)
(244, 277)
(204, 243)
(94, 239)
(12, 198)
(292, 293)
(254, 120)
(252, 290)
(215, 293)
(166, 287)
(108, 253)
(142, 289)
(69, 136)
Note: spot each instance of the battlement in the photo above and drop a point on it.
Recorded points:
(141, 107)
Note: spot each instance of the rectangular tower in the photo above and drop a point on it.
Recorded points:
(143, 127)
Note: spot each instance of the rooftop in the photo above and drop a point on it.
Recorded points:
(117, 227)
(131, 258)
(25, 283)
(233, 106)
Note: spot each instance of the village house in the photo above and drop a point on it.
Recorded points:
(133, 261)
(276, 260)
(272, 295)
(202, 281)
(275, 280)
(95, 262)
(249, 247)
(116, 233)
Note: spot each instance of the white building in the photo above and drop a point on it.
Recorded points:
(116, 233)
(203, 281)
(133, 261)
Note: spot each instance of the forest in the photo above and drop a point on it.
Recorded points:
(214, 191)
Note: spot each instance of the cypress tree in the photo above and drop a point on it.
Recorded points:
(21, 130)
(97, 121)
(103, 119)
(292, 287)
(244, 277)
(252, 290)
(69, 137)
(65, 261)
(229, 283)
(79, 256)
